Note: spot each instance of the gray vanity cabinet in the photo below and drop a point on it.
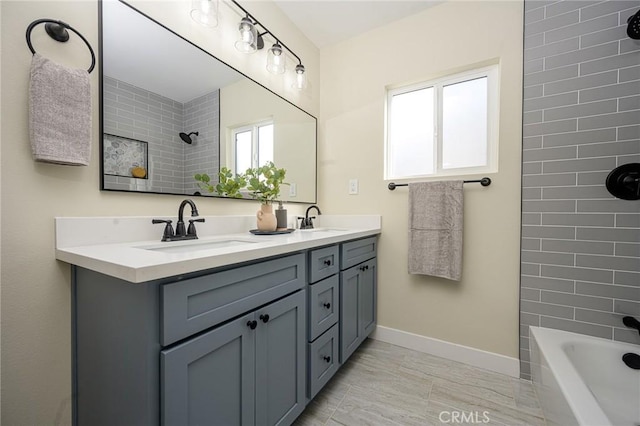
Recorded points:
(246, 344)
(358, 294)
(225, 346)
(248, 371)
(323, 317)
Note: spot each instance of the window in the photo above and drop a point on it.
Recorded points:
(253, 146)
(443, 127)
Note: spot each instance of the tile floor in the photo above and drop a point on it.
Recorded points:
(383, 384)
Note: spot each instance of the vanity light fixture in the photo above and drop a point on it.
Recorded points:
(205, 12)
(275, 59)
(251, 40)
(300, 82)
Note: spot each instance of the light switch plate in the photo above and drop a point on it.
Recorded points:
(293, 190)
(353, 186)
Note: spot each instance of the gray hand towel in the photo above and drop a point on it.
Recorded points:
(59, 113)
(435, 229)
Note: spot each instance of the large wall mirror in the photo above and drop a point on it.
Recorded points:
(171, 110)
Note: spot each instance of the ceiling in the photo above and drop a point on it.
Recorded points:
(326, 22)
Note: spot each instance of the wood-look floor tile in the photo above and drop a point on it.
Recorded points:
(320, 408)
(382, 384)
(525, 396)
(480, 384)
(441, 414)
(504, 414)
(371, 406)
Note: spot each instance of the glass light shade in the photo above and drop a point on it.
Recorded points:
(276, 60)
(300, 81)
(248, 42)
(205, 12)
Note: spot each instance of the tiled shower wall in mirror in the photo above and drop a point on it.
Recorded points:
(580, 245)
(138, 114)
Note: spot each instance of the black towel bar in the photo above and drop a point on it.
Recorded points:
(57, 30)
(484, 182)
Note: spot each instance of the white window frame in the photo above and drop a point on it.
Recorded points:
(253, 128)
(493, 111)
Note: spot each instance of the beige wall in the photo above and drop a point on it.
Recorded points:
(481, 311)
(36, 333)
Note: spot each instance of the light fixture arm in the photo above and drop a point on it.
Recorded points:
(266, 30)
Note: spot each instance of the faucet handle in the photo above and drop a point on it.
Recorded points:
(168, 229)
(192, 227)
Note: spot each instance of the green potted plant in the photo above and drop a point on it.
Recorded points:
(263, 184)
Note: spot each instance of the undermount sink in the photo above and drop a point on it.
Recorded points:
(196, 245)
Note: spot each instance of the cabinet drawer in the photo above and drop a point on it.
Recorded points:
(323, 360)
(323, 305)
(354, 252)
(323, 263)
(195, 304)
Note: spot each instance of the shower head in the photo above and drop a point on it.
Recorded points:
(633, 27)
(187, 137)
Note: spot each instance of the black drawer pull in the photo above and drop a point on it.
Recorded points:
(327, 262)
(327, 358)
(327, 305)
(264, 318)
(252, 324)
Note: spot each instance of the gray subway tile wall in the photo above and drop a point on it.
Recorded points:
(135, 113)
(580, 256)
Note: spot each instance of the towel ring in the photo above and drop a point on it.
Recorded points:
(57, 30)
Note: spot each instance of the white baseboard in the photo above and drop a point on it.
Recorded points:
(475, 357)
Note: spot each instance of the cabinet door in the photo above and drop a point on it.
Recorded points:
(210, 379)
(280, 360)
(358, 296)
(349, 312)
(368, 298)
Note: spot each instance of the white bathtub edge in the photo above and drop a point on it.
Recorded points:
(468, 355)
(583, 405)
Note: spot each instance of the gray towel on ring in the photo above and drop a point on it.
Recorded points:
(59, 113)
(435, 229)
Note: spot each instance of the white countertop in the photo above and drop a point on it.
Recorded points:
(108, 245)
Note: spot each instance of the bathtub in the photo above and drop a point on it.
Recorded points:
(581, 380)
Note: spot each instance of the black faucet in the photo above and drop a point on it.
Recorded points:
(307, 222)
(631, 322)
(181, 233)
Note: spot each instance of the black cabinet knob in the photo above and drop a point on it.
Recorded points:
(264, 318)
(327, 262)
(327, 358)
(252, 324)
(327, 305)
